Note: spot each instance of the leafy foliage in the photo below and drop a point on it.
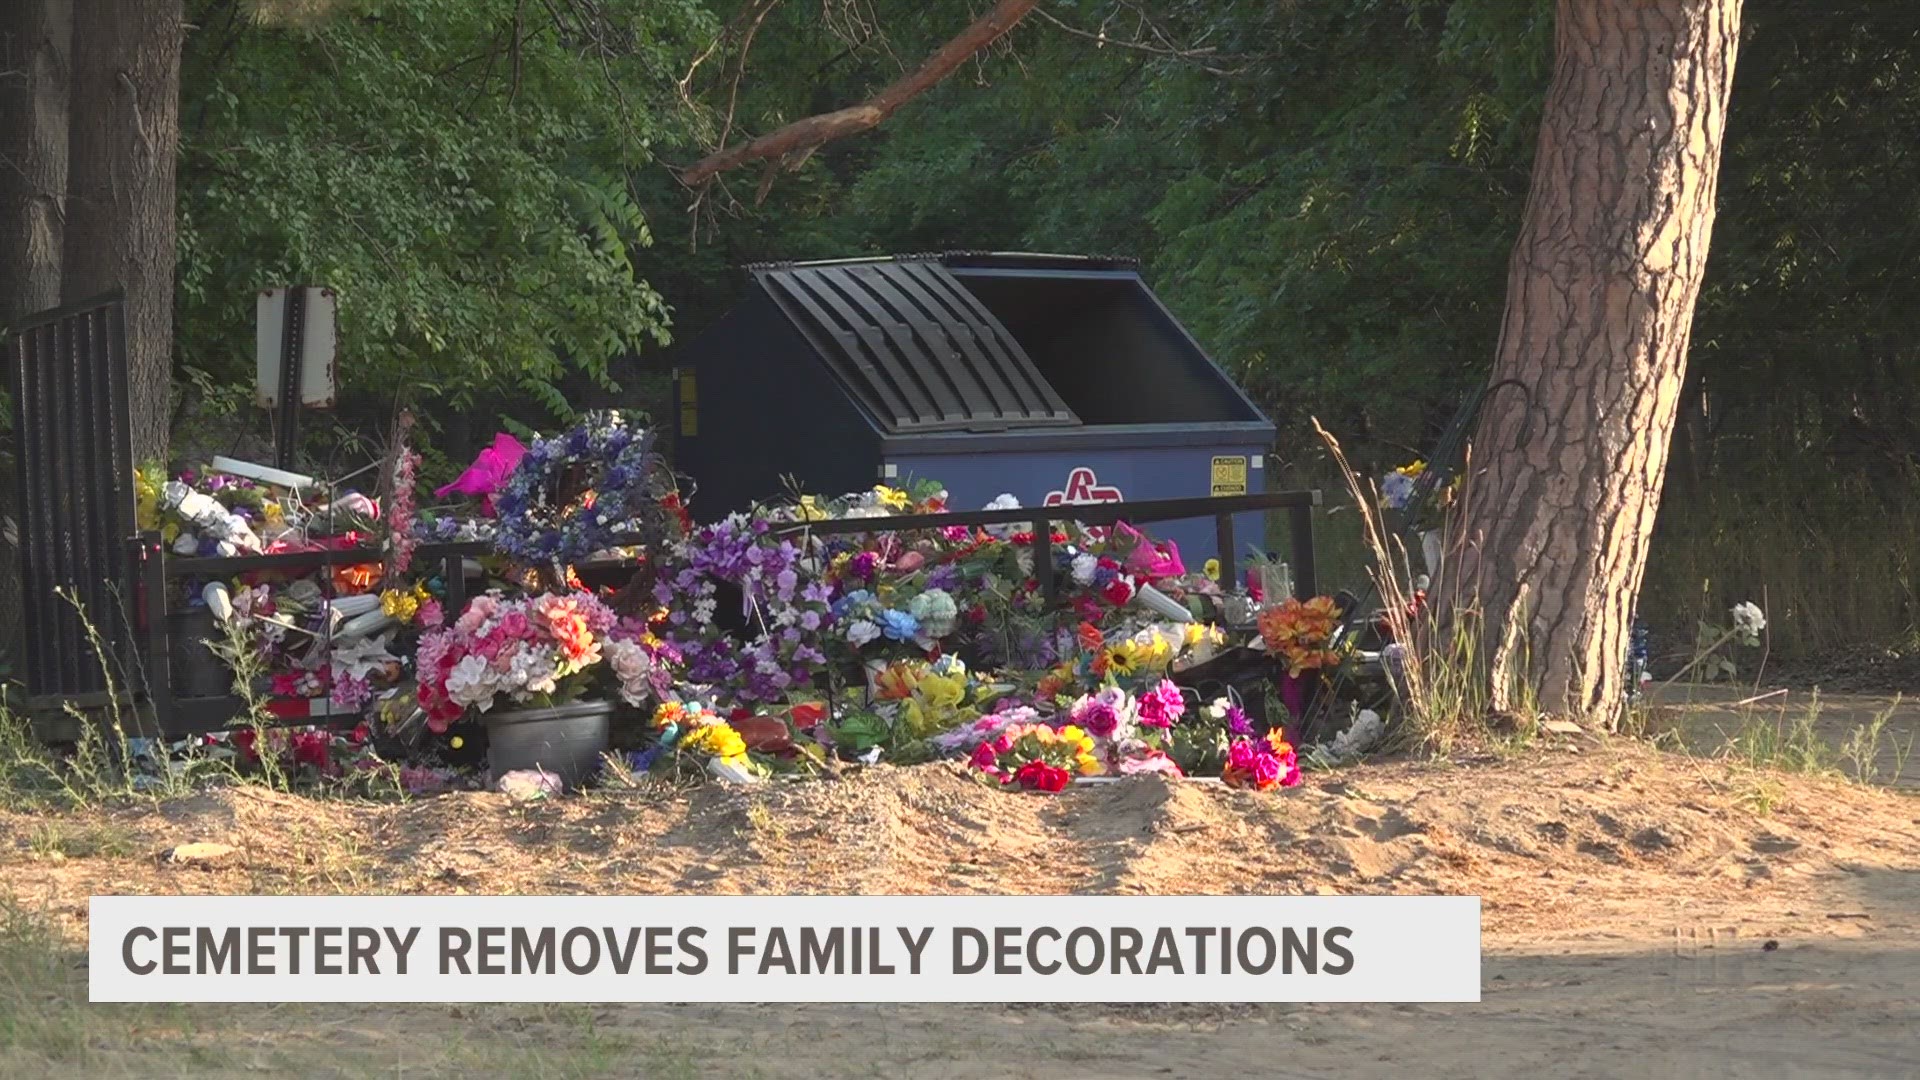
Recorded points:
(460, 171)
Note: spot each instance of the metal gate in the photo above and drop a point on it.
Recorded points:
(67, 370)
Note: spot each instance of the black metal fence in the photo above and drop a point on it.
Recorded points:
(168, 712)
(67, 370)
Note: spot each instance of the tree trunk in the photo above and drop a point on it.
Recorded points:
(34, 41)
(1600, 300)
(124, 136)
(35, 36)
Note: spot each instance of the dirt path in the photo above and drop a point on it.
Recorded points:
(1706, 717)
(1628, 897)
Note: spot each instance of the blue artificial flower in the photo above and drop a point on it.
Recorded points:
(898, 625)
(858, 598)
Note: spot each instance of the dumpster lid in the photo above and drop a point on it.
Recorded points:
(914, 346)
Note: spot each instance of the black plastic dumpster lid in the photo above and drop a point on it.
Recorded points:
(915, 346)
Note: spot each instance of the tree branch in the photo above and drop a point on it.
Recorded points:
(815, 131)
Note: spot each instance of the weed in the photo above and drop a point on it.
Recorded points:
(1862, 749)
(59, 839)
(1788, 745)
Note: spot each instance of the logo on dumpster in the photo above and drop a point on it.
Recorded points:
(1083, 487)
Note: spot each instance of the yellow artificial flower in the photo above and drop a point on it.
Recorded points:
(943, 691)
(1413, 470)
(716, 740)
(1089, 765)
(1194, 633)
(1118, 662)
(399, 605)
(810, 510)
(893, 498)
(147, 482)
(1212, 569)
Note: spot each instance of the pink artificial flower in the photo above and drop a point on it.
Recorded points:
(489, 471)
(1148, 761)
(514, 626)
(1162, 705)
(431, 614)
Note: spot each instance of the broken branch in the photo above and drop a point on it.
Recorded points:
(816, 131)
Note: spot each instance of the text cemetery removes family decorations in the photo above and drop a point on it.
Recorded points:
(663, 950)
(785, 948)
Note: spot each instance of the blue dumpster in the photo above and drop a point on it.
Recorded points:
(1055, 379)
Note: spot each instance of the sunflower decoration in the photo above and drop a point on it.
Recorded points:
(1300, 632)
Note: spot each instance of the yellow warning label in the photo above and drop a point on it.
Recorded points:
(1229, 476)
(689, 406)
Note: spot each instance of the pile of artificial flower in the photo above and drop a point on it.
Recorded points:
(752, 644)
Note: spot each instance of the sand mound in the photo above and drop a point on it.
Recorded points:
(1621, 842)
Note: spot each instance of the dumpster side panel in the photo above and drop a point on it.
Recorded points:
(1101, 474)
(764, 408)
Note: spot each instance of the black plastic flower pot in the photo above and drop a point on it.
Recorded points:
(197, 670)
(565, 740)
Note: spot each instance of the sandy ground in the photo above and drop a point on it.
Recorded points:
(1629, 896)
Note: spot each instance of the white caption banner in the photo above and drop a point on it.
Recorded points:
(784, 948)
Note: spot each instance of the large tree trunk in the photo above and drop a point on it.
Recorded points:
(34, 41)
(1600, 299)
(124, 136)
(35, 36)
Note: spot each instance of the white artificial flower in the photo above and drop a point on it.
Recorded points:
(1749, 621)
(533, 671)
(1006, 502)
(1084, 566)
(471, 683)
(861, 631)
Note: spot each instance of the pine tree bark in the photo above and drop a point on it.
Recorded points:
(124, 134)
(35, 40)
(35, 36)
(1600, 301)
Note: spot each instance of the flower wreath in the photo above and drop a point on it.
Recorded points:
(583, 492)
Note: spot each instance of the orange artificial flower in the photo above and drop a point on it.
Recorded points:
(357, 579)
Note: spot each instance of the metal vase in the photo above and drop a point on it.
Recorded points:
(565, 740)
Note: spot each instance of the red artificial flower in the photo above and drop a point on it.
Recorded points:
(809, 714)
(313, 748)
(286, 684)
(977, 614)
(362, 732)
(984, 758)
(1090, 636)
(1040, 776)
(244, 740)
(1118, 591)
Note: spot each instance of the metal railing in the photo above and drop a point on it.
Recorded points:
(160, 710)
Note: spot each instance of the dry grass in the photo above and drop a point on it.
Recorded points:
(48, 1028)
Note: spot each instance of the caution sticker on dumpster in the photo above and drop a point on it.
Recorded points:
(1229, 476)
